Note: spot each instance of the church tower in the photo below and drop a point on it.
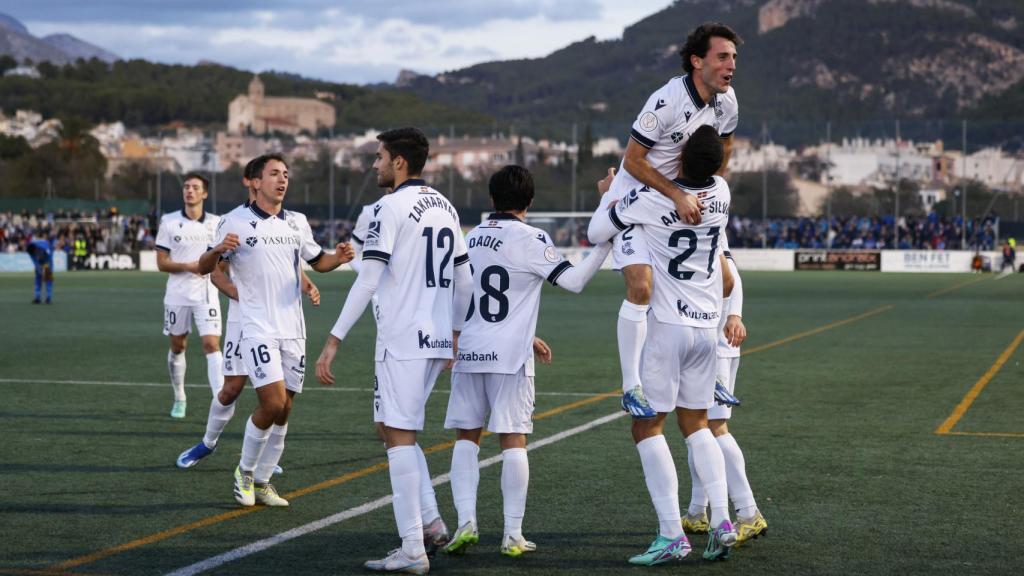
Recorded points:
(256, 90)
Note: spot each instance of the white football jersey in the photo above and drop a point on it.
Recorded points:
(687, 275)
(266, 269)
(416, 232)
(666, 122)
(185, 240)
(510, 262)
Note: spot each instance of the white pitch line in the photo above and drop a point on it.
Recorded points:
(207, 386)
(259, 546)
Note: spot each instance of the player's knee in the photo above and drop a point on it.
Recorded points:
(644, 429)
(472, 435)
(509, 441)
(210, 345)
(718, 427)
(178, 345)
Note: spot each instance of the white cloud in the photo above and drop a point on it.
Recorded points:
(348, 46)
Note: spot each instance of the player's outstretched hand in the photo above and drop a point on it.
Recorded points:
(542, 350)
(345, 252)
(323, 363)
(735, 331)
(230, 242)
(688, 208)
(605, 183)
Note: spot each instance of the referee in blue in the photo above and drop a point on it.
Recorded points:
(41, 251)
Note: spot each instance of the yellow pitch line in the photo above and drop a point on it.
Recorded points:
(958, 286)
(988, 434)
(153, 538)
(159, 536)
(818, 330)
(975, 390)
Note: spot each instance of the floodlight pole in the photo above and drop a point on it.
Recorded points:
(963, 184)
(764, 183)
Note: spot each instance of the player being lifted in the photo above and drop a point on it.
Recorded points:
(190, 296)
(494, 369)
(750, 523)
(704, 96)
(679, 357)
(414, 260)
(263, 244)
(222, 406)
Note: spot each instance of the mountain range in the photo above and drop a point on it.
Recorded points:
(18, 42)
(859, 65)
(802, 63)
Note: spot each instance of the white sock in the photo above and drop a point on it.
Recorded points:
(252, 445)
(404, 469)
(218, 418)
(710, 466)
(736, 476)
(428, 500)
(271, 454)
(465, 479)
(662, 483)
(631, 331)
(698, 498)
(515, 479)
(176, 366)
(214, 361)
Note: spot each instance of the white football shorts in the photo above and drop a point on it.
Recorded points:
(178, 319)
(234, 363)
(508, 397)
(401, 389)
(269, 360)
(727, 368)
(678, 366)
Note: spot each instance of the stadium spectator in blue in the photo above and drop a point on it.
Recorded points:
(41, 251)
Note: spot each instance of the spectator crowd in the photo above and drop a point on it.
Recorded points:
(931, 232)
(102, 232)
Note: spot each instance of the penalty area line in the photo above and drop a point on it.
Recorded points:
(261, 545)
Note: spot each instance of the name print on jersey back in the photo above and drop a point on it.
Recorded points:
(416, 232)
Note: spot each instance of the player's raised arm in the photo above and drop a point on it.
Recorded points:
(328, 261)
(359, 297)
(208, 261)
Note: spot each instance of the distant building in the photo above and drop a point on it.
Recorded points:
(25, 71)
(233, 149)
(258, 114)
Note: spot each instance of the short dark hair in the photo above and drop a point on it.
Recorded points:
(511, 189)
(699, 41)
(260, 162)
(409, 143)
(703, 154)
(200, 177)
(247, 171)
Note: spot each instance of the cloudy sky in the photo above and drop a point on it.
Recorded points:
(357, 41)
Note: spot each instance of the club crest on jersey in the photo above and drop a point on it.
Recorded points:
(260, 373)
(293, 225)
(251, 241)
(227, 365)
(649, 121)
(177, 238)
(627, 249)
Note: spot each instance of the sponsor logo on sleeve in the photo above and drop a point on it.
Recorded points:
(551, 255)
(649, 121)
(661, 104)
